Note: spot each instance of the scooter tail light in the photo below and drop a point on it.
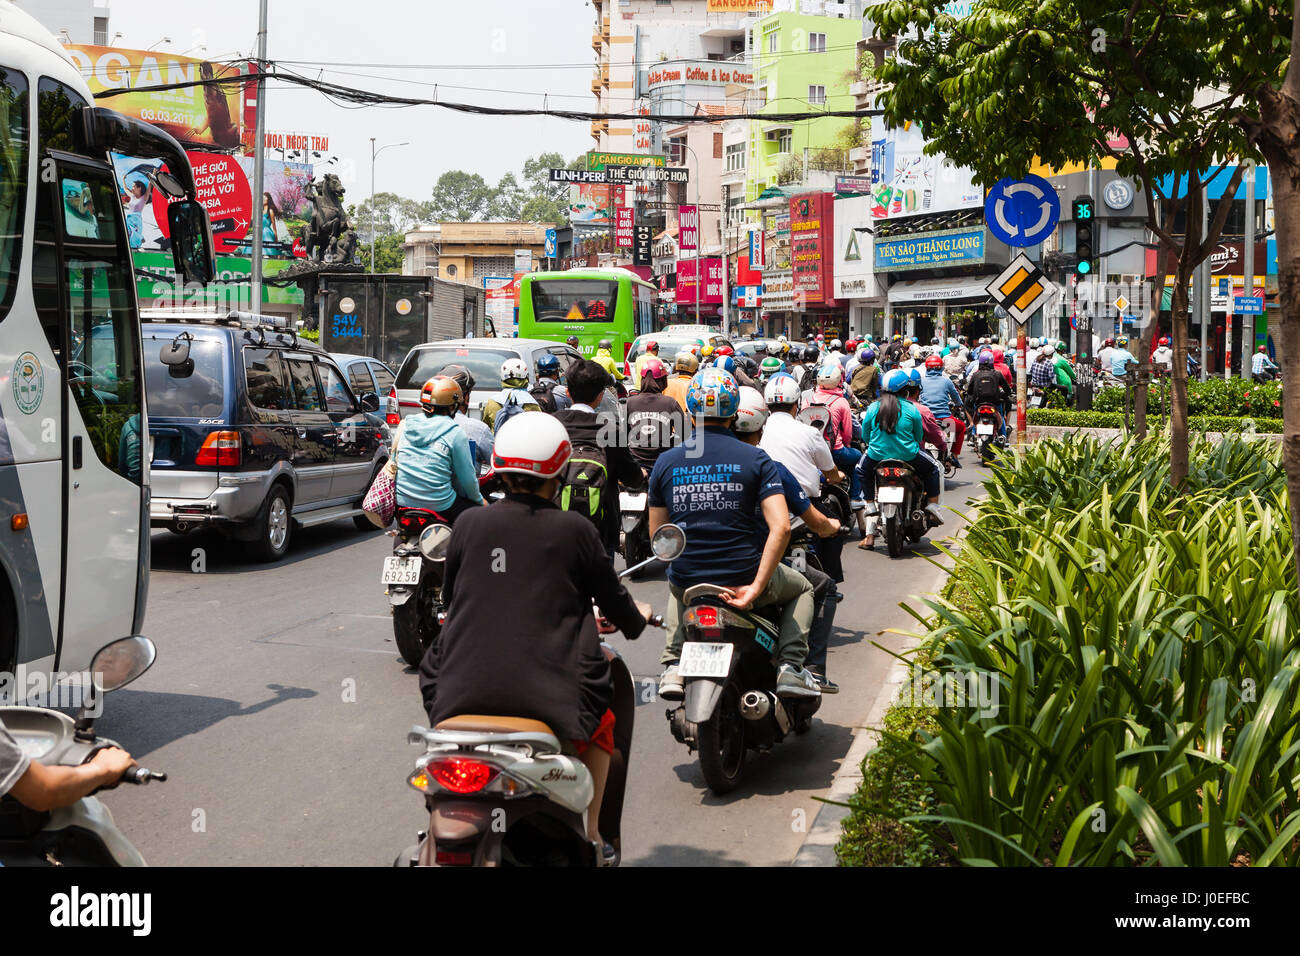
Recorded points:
(393, 417)
(453, 857)
(456, 774)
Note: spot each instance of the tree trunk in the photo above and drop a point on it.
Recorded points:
(1145, 342)
(1178, 400)
(1277, 134)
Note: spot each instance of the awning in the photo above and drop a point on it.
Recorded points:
(940, 290)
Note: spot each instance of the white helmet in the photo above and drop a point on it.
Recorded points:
(836, 344)
(514, 369)
(782, 339)
(781, 390)
(752, 415)
(830, 375)
(531, 443)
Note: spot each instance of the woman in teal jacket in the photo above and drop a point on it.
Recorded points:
(893, 431)
(435, 468)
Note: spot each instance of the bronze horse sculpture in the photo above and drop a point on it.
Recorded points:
(328, 237)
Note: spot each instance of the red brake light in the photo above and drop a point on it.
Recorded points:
(707, 616)
(393, 418)
(453, 857)
(461, 774)
(220, 449)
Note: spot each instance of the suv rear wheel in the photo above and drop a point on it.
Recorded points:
(274, 526)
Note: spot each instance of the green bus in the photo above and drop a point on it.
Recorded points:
(593, 304)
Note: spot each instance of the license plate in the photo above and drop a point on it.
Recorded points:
(627, 501)
(1036, 401)
(890, 493)
(704, 660)
(401, 571)
(984, 428)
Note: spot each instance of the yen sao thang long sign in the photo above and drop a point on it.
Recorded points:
(957, 247)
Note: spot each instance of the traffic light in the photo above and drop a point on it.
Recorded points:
(1084, 231)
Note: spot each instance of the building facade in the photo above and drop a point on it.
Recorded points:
(72, 21)
(471, 251)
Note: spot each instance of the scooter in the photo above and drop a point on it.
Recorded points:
(730, 705)
(634, 528)
(413, 578)
(82, 834)
(987, 439)
(901, 498)
(501, 791)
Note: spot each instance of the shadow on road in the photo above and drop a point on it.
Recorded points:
(675, 854)
(144, 721)
(800, 762)
(175, 552)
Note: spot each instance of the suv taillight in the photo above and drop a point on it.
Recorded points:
(394, 417)
(220, 449)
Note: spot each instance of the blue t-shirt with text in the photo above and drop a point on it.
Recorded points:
(712, 489)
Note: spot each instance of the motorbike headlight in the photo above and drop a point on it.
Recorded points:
(434, 540)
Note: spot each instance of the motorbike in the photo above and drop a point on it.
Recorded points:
(900, 496)
(84, 833)
(730, 705)
(413, 578)
(501, 791)
(634, 528)
(987, 439)
(1037, 398)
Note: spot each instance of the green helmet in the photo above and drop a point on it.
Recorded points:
(770, 365)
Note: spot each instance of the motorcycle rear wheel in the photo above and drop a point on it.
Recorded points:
(894, 536)
(721, 741)
(415, 625)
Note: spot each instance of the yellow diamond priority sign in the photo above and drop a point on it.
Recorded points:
(1021, 288)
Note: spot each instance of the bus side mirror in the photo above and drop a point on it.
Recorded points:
(191, 236)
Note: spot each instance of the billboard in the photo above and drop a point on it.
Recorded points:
(686, 284)
(196, 115)
(812, 229)
(222, 184)
(906, 182)
(229, 290)
(688, 238)
(589, 204)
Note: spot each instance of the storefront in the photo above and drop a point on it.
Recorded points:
(929, 308)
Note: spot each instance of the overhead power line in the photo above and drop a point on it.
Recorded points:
(370, 98)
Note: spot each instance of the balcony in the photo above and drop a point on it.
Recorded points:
(860, 88)
(595, 82)
(596, 41)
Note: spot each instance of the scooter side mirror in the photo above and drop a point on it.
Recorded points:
(119, 663)
(668, 542)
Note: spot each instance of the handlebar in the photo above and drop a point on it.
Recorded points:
(142, 775)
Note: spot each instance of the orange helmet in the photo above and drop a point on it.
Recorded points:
(441, 391)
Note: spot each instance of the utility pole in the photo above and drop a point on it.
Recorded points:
(259, 163)
(1203, 287)
(1248, 277)
(373, 154)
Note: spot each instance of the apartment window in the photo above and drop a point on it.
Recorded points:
(772, 42)
(736, 156)
(785, 141)
(816, 43)
(817, 94)
(101, 31)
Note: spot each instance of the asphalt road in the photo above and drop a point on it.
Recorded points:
(279, 708)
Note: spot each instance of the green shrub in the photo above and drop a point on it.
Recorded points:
(1146, 652)
(1214, 396)
(1102, 419)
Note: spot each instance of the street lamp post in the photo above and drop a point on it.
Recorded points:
(373, 153)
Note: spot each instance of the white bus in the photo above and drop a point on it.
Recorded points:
(74, 469)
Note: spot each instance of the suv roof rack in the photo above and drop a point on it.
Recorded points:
(235, 318)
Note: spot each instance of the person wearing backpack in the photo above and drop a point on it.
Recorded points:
(599, 463)
(838, 432)
(550, 396)
(513, 398)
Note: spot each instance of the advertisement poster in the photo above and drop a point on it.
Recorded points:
(688, 219)
(906, 182)
(502, 297)
(687, 285)
(757, 248)
(625, 227)
(812, 228)
(589, 204)
(285, 206)
(196, 115)
(229, 290)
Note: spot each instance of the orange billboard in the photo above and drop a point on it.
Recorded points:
(195, 115)
(740, 6)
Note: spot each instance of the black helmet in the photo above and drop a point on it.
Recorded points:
(572, 340)
(606, 344)
(811, 353)
(461, 376)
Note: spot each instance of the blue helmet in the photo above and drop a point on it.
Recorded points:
(867, 357)
(713, 393)
(895, 380)
(727, 364)
(548, 364)
(914, 376)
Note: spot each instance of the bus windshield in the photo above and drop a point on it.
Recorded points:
(574, 300)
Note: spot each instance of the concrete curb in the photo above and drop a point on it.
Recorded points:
(818, 848)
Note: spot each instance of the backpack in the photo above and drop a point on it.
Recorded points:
(509, 409)
(585, 481)
(541, 392)
(828, 426)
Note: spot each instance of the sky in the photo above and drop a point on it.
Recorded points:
(485, 44)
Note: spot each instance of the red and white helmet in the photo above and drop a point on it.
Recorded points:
(781, 390)
(531, 443)
(752, 414)
(830, 375)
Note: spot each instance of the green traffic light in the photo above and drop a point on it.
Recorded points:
(1085, 267)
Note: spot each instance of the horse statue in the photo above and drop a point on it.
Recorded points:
(328, 237)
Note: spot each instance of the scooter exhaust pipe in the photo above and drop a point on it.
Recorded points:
(755, 705)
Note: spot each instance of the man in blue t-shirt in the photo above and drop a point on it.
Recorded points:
(728, 498)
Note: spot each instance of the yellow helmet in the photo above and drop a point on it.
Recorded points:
(706, 350)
